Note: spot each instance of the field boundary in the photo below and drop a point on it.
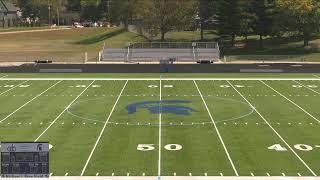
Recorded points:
(157, 79)
(178, 178)
(160, 125)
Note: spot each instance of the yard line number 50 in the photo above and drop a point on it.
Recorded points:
(150, 147)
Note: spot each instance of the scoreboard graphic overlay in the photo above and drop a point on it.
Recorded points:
(24, 159)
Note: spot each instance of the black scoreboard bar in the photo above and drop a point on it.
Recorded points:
(25, 159)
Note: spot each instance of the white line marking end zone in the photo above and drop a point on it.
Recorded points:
(163, 79)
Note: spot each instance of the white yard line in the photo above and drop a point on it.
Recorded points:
(316, 76)
(291, 102)
(63, 111)
(29, 102)
(163, 78)
(306, 87)
(13, 88)
(284, 141)
(102, 130)
(217, 130)
(160, 116)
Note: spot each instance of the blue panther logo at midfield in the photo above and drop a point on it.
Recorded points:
(165, 106)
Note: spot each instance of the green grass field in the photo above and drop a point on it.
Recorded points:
(260, 125)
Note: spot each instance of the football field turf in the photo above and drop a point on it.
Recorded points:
(167, 126)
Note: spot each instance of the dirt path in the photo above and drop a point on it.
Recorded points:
(37, 30)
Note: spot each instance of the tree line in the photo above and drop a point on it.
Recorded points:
(226, 18)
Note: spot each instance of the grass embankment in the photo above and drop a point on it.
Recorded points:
(71, 45)
(63, 45)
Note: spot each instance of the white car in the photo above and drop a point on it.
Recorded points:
(77, 25)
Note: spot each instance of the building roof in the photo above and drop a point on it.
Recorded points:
(7, 7)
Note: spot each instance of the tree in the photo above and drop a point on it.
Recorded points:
(263, 21)
(122, 11)
(90, 9)
(247, 18)
(74, 5)
(301, 15)
(228, 19)
(207, 11)
(162, 16)
(104, 9)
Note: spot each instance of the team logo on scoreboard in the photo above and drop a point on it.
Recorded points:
(165, 106)
(11, 148)
(39, 147)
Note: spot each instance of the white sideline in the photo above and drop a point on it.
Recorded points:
(29, 102)
(13, 88)
(63, 112)
(306, 87)
(284, 141)
(217, 130)
(170, 178)
(291, 102)
(160, 116)
(102, 130)
(167, 79)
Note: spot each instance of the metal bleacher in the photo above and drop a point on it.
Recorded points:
(155, 52)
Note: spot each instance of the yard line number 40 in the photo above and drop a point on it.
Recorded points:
(300, 147)
(150, 147)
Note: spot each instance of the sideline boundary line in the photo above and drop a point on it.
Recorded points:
(102, 130)
(29, 102)
(295, 104)
(163, 79)
(275, 131)
(63, 112)
(160, 116)
(217, 130)
(12, 88)
(306, 87)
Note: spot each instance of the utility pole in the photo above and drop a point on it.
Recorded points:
(109, 13)
(58, 16)
(49, 13)
(58, 12)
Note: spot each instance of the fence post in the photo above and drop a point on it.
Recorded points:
(99, 57)
(85, 57)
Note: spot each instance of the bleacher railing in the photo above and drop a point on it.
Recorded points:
(174, 45)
